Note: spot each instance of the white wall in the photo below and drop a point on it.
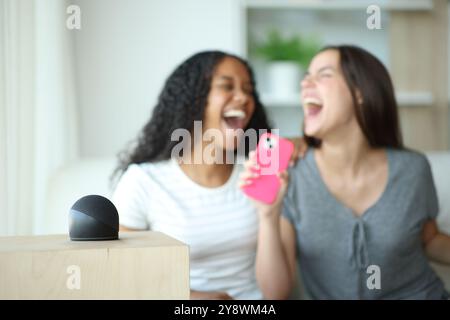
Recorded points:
(124, 52)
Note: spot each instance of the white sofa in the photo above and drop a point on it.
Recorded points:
(91, 176)
(440, 165)
(78, 179)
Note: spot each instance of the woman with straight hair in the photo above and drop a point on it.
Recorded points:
(359, 212)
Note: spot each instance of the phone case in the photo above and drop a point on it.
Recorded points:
(272, 155)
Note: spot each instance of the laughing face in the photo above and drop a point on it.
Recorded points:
(326, 97)
(230, 103)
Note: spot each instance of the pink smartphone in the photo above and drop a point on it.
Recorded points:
(272, 155)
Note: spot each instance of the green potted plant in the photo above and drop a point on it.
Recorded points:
(287, 58)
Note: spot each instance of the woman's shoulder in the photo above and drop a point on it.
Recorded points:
(409, 159)
(304, 175)
(140, 178)
(146, 170)
(305, 165)
(410, 166)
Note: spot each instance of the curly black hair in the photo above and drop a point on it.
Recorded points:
(181, 102)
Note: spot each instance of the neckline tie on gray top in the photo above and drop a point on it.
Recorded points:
(358, 254)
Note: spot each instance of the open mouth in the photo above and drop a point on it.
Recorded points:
(235, 118)
(312, 106)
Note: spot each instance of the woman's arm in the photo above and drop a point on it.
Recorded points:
(203, 295)
(437, 244)
(300, 148)
(275, 257)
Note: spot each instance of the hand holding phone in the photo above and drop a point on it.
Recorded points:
(272, 157)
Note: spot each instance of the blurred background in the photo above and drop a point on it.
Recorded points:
(79, 79)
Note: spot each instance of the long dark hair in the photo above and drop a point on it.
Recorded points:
(181, 102)
(377, 115)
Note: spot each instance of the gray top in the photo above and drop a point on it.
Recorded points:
(336, 247)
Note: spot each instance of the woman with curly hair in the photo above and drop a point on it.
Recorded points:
(198, 203)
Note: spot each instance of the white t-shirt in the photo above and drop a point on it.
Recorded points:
(220, 225)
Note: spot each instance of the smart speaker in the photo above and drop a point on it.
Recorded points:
(93, 217)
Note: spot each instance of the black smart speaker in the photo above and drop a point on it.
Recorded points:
(93, 218)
